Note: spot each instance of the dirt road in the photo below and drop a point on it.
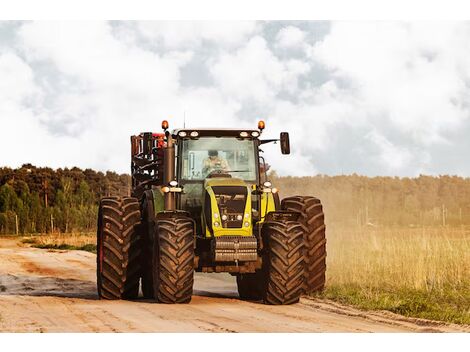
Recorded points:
(54, 291)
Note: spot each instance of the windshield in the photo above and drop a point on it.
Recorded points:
(210, 156)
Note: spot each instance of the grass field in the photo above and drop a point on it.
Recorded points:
(415, 272)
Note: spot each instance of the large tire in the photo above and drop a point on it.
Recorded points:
(312, 217)
(250, 286)
(283, 262)
(148, 232)
(118, 248)
(173, 259)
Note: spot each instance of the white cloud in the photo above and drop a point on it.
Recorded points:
(16, 83)
(393, 158)
(254, 73)
(401, 73)
(177, 34)
(290, 37)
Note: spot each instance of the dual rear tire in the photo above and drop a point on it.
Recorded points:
(118, 248)
(126, 253)
(313, 220)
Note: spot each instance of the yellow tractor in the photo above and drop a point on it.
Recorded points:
(202, 201)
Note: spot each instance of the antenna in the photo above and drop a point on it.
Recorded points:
(184, 119)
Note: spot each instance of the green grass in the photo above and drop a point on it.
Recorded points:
(87, 247)
(73, 241)
(449, 305)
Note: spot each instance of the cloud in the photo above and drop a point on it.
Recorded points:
(401, 74)
(290, 37)
(255, 66)
(179, 34)
(368, 97)
(392, 157)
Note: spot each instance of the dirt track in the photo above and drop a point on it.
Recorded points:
(54, 291)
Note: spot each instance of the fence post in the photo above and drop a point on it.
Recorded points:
(16, 223)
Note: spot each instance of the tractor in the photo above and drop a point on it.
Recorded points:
(202, 201)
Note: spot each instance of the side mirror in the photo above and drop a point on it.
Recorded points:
(285, 145)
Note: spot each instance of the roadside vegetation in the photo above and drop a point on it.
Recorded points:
(422, 273)
(70, 241)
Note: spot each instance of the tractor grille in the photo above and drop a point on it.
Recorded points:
(231, 201)
(235, 248)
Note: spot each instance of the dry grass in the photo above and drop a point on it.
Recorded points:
(81, 241)
(416, 272)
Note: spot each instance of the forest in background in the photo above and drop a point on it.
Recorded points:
(42, 200)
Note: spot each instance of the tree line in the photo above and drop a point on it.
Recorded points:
(40, 199)
(355, 200)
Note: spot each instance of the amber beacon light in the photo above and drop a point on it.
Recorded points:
(261, 125)
(165, 124)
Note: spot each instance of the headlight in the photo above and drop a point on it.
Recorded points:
(247, 224)
(182, 134)
(224, 217)
(194, 134)
(239, 217)
(247, 216)
(216, 224)
(267, 184)
(243, 134)
(165, 189)
(216, 216)
(255, 134)
(274, 190)
(173, 183)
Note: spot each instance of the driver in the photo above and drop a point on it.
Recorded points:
(214, 163)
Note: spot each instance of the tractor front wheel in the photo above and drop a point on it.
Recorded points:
(173, 259)
(283, 262)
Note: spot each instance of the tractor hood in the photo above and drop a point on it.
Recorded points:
(224, 181)
(227, 207)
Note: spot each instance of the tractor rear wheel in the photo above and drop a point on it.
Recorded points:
(312, 217)
(250, 286)
(148, 232)
(173, 259)
(283, 262)
(118, 248)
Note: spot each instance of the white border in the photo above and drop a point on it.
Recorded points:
(235, 342)
(235, 10)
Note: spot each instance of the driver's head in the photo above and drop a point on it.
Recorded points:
(213, 153)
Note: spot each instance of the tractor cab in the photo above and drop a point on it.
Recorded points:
(218, 172)
(218, 169)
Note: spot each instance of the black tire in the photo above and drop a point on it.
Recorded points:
(250, 286)
(148, 231)
(118, 248)
(312, 217)
(173, 259)
(283, 262)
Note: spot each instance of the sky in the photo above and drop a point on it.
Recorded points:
(372, 98)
